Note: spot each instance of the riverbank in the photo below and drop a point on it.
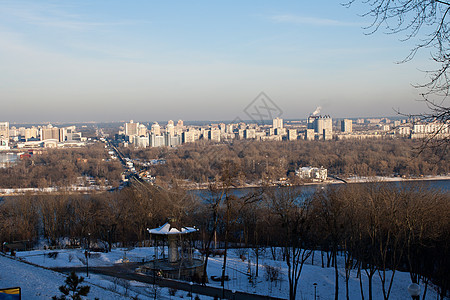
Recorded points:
(205, 186)
(54, 190)
(356, 179)
(396, 179)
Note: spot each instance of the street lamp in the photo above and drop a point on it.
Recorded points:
(315, 287)
(86, 254)
(414, 291)
(191, 284)
(234, 294)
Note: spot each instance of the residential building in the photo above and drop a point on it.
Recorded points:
(188, 137)
(157, 140)
(156, 129)
(277, 123)
(249, 134)
(170, 128)
(142, 130)
(292, 134)
(312, 173)
(131, 128)
(214, 134)
(4, 129)
(309, 135)
(141, 141)
(347, 126)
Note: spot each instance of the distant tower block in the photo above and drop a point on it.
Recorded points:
(309, 135)
(346, 125)
(277, 123)
(292, 134)
(4, 130)
(156, 129)
(131, 128)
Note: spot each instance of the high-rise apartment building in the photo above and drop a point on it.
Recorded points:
(214, 134)
(188, 137)
(321, 123)
(13, 131)
(157, 140)
(404, 130)
(309, 134)
(229, 128)
(141, 141)
(172, 140)
(20, 131)
(170, 129)
(346, 125)
(222, 127)
(318, 125)
(156, 129)
(142, 130)
(292, 134)
(131, 128)
(31, 133)
(53, 133)
(249, 134)
(180, 127)
(4, 129)
(279, 131)
(327, 134)
(277, 123)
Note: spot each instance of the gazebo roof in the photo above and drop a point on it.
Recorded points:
(167, 229)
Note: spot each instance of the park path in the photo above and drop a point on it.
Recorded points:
(126, 271)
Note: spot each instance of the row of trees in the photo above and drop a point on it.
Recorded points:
(70, 219)
(201, 161)
(377, 227)
(62, 167)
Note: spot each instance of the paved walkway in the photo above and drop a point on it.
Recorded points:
(126, 271)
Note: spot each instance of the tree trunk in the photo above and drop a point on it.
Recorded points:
(336, 277)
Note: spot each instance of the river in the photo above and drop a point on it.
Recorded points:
(438, 184)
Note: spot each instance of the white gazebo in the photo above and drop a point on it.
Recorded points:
(180, 262)
(174, 239)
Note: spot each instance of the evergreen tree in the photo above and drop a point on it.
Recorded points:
(72, 289)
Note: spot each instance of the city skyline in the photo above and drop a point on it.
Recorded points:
(112, 61)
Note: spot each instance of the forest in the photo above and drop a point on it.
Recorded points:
(376, 226)
(62, 167)
(200, 162)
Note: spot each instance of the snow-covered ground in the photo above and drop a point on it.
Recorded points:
(38, 283)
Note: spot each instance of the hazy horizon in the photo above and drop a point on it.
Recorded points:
(147, 60)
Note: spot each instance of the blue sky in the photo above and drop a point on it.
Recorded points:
(197, 60)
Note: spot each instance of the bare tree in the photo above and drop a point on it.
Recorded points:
(426, 23)
(294, 218)
(329, 208)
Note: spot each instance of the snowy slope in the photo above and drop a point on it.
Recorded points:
(41, 284)
(38, 283)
